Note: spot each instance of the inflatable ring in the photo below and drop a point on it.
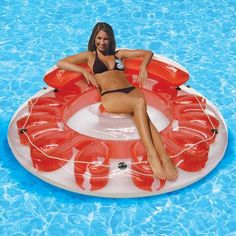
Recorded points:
(64, 136)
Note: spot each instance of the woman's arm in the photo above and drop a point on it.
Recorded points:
(145, 54)
(70, 63)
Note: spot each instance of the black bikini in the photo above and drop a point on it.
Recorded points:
(122, 90)
(100, 67)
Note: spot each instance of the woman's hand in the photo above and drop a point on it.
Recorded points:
(71, 63)
(145, 54)
(90, 78)
(143, 75)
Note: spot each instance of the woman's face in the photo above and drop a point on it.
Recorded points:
(102, 41)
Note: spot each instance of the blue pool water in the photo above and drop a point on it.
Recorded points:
(201, 35)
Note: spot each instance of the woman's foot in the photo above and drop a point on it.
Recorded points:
(156, 166)
(169, 168)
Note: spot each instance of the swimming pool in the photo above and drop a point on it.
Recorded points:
(199, 34)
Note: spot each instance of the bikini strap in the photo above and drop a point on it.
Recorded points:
(96, 53)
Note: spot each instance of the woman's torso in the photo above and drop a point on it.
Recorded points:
(111, 78)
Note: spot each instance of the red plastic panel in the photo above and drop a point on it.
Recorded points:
(165, 90)
(157, 70)
(142, 174)
(51, 150)
(93, 160)
(181, 147)
(35, 124)
(60, 78)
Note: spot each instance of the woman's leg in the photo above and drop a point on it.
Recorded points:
(170, 170)
(131, 103)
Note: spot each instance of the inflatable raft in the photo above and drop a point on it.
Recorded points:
(65, 137)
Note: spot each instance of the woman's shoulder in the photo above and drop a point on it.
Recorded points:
(131, 53)
(123, 52)
(90, 54)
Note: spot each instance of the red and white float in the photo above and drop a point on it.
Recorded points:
(64, 136)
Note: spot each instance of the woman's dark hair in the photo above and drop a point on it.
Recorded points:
(106, 28)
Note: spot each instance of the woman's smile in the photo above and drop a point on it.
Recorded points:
(102, 41)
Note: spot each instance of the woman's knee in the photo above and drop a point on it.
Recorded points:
(124, 103)
(117, 105)
(140, 102)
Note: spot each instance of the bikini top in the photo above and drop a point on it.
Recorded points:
(99, 66)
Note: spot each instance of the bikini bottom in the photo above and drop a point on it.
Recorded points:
(123, 90)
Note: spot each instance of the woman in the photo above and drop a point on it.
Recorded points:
(118, 95)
